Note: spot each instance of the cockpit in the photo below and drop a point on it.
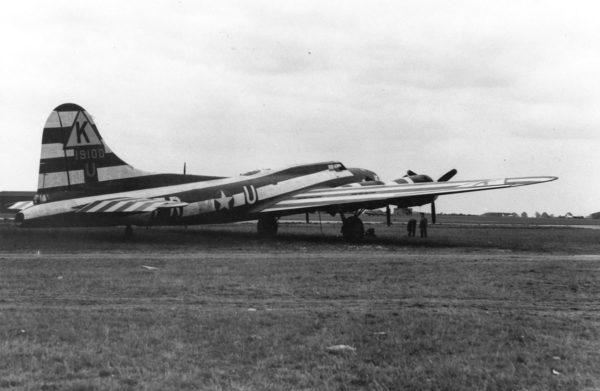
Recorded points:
(364, 175)
(370, 176)
(336, 167)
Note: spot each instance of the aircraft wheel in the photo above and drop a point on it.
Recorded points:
(353, 229)
(267, 226)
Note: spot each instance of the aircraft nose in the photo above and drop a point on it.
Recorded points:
(364, 174)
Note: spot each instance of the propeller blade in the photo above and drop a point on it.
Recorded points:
(432, 212)
(447, 176)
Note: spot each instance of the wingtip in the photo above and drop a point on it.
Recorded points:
(530, 180)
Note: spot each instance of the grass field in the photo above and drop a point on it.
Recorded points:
(470, 307)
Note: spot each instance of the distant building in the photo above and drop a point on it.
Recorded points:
(595, 215)
(500, 214)
(403, 212)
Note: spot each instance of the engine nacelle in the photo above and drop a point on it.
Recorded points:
(414, 179)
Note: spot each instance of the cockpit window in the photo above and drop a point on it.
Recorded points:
(336, 167)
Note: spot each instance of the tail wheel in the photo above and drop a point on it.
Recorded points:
(353, 229)
(267, 226)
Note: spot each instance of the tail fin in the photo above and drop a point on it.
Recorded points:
(74, 154)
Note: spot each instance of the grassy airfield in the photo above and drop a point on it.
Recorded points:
(471, 307)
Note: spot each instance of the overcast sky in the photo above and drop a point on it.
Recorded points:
(493, 89)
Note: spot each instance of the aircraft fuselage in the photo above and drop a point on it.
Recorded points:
(219, 200)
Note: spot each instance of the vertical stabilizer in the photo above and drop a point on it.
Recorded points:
(74, 156)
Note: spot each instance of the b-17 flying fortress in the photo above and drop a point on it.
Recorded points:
(82, 182)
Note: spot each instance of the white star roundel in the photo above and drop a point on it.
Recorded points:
(223, 201)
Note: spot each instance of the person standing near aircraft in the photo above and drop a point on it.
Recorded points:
(412, 227)
(423, 225)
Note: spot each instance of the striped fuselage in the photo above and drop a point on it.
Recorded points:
(82, 182)
(209, 199)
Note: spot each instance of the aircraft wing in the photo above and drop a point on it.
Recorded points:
(363, 196)
(128, 205)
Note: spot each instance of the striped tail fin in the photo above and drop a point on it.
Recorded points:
(74, 156)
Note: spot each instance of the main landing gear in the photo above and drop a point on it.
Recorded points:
(267, 226)
(353, 229)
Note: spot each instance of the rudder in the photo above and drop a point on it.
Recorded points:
(74, 155)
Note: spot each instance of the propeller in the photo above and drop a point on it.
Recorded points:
(447, 176)
(444, 178)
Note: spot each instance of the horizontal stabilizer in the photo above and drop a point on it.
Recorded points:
(17, 206)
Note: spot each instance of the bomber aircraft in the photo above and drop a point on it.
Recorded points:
(82, 182)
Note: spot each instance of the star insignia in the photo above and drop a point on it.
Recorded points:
(223, 202)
